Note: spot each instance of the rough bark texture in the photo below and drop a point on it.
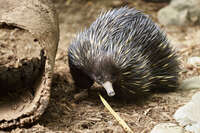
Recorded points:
(29, 36)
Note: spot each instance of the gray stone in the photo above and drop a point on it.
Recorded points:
(170, 16)
(180, 5)
(167, 128)
(189, 114)
(191, 83)
(180, 12)
(194, 61)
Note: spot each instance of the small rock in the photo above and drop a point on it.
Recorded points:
(180, 5)
(194, 61)
(189, 116)
(167, 128)
(170, 16)
(117, 3)
(180, 12)
(195, 128)
(191, 83)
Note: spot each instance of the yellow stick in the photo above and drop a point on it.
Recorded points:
(117, 117)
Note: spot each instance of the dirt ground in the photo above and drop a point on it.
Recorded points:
(64, 114)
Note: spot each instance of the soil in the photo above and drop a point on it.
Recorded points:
(67, 114)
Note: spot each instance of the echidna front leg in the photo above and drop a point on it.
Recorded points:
(81, 80)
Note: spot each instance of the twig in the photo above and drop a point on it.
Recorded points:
(117, 117)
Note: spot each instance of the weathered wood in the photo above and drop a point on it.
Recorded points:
(29, 36)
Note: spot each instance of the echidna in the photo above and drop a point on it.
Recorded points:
(125, 52)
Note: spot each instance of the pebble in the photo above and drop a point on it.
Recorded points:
(189, 116)
(180, 12)
(167, 128)
(170, 16)
(191, 83)
(194, 61)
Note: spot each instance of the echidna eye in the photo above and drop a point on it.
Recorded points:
(98, 78)
(106, 76)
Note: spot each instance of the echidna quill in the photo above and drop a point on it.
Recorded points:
(125, 52)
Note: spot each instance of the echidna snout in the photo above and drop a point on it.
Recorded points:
(106, 84)
(109, 88)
